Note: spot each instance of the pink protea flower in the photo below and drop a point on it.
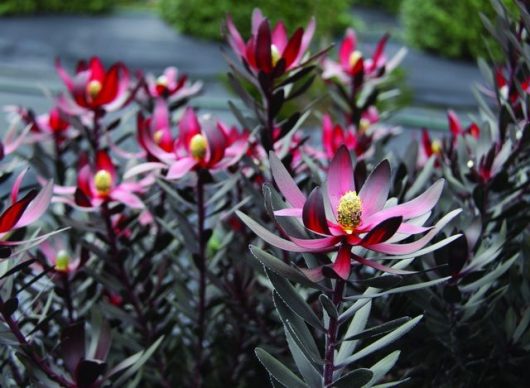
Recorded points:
(207, 146)
(57, 254)
(270, 51)
(484, 167)
(170, 85)
(358, 140)
(458, 130)
(429, 147)
(94, 88)
(351, 61)
(13, 139)
(343, 216)
(24, 211)
(504, 88)
(52, 125)
(99, 183)
(157, 128)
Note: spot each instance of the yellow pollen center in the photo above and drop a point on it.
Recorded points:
(162, 81)
(103, 182)
(349, 211)
(93, 88)
(436, 147)
(354, 58)
(275, 54)
(62, 260)
(198, 146)
(364, 124)
(157, 137)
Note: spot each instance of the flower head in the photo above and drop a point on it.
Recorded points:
(352, 63)
(269, 50)
(58, 255)
(100, 183)
(342, 215)
(170, 85)
(23, 211)
(199, 145)
(93, 87)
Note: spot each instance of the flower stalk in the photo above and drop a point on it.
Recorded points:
(15, 329)
(331, 334)
(201, 266)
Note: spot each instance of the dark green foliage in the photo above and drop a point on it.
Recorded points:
(388, 5)
(17, 7)
(450, 28)
(203, 18)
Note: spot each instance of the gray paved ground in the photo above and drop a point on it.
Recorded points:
(28, 46)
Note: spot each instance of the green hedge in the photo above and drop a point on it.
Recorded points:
(17, 7)
(388, 5)
(203, 18)
(451, 28)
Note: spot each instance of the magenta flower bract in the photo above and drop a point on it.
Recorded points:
(351, 61)
(268, 50)
(58, 255)
(343, 216)
(99, 183)
(208, 146)
(358, 140)
(170, 85)
(24, 211)
(458, 130)
(93, 87)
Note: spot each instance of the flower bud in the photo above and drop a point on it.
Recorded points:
(103, 182)
(93, 88)
(198, 146)
(275, 55)
(62, 260)
(354, 58)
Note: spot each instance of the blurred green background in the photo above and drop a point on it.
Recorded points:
(447, 27)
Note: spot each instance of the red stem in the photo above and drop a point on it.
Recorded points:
(13, 326)
(201, 266)
(331, 335)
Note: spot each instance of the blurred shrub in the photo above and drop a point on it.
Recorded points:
(388, 5)
(450, 28)
(203, 18)
(14, 7)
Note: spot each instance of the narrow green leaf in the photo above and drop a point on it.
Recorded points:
(328, 306)
(278, 371)
(380, 329)
(311, 376)
(397, 290)
(381, 343)
(133, 363)
(293, 300)
(491, 276)
(522, 326)
(356, 326)
(279, 267)
(297, 328)
(355, 379)
(382, 367)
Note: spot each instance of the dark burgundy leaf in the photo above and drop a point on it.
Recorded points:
(88, 372)
(12, 214)
(73, 345)
(10, 306)
(382, 232)
(314, 213)
(263, 47)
